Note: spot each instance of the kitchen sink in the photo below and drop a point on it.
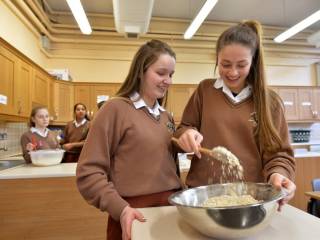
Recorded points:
(5, 164)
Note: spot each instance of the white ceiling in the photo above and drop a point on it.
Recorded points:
(283, 13)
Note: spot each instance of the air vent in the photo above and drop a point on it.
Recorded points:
(132, 35)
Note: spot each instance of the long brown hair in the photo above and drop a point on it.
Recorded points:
(147, 54)
(249, 34)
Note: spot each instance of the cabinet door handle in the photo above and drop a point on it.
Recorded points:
(315, 114)
(288, 103)
(306, 104)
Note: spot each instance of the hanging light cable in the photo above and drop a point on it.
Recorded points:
(201, 16)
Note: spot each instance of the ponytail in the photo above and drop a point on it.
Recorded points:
(249, 34)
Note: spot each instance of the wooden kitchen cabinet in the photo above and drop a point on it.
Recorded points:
(8, 72)
(316, 105)
(289, 97)
(22, 98)
(306, 104)
(24, 83)
(82, 94)
(178, 97)
(41, 88)
(88, 93)
(301, 103)
(63, 102)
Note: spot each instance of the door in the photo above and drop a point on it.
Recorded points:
(8, 72)
(289, 97)
(306, 104)
(316, 105)
(63, 105)
(41, 87)
(22, 96)
(82, 94)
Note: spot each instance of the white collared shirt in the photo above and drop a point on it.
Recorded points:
(138, 102)
(79, 124)
(42, 134)
(245, 93)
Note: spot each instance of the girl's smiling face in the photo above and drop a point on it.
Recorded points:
(157, 79)
(234, 62)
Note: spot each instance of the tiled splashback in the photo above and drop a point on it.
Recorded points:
(10, 137)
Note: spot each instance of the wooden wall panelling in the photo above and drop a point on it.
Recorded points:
(308, 168)
(178, 96)
(47, 208)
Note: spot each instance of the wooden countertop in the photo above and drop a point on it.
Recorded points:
(31, 171)
(165, 223)
(315, 195)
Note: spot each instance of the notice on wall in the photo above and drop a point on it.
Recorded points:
(3, 99)
(102, 98)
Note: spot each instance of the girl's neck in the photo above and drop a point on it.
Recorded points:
(150, 102)
(79, 120)
(41, 129)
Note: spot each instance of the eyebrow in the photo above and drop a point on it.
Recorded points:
(163, 68)
(241, 61)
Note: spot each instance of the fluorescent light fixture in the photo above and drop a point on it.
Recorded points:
(298, 27)
(197, 21)
(80, 16)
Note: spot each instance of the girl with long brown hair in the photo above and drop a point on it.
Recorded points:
(239, 112)
(128, 159)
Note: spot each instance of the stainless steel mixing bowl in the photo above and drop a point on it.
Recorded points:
(228, 222)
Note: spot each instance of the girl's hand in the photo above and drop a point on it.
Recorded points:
(128, 215)
(67, 146)
(31, 147)
(280, 181)
(190, 140)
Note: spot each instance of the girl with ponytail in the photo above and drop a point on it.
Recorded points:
(239, 112)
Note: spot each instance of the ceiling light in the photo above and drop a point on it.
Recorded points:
(298, 27)
(80, 16)
(203, 13)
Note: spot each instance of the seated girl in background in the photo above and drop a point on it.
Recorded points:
(39, 136)
(75, 133)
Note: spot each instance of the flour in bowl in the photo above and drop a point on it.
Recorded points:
(228, 200)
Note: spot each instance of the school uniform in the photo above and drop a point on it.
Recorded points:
(41, 140)
(128, 159)
(228, 120)
(74, 132)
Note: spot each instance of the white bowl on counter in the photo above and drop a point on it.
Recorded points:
(47, 157)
